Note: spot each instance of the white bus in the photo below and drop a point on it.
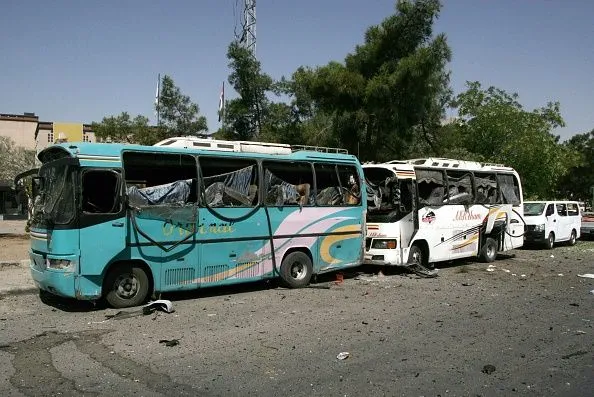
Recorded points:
(423, 211)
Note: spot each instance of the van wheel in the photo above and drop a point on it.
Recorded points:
(126, 286)
(296, 270)
(550, 243)
(489, 250)
(573, 238)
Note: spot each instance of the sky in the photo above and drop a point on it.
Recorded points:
(79, 61)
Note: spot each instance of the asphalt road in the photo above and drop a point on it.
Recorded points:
(524, 328)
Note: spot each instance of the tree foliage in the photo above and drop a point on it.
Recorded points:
(494, 127)
(579, 180)
(387, 91)
(246, 116)
(14, 160)
(124, 128)
(178, 115)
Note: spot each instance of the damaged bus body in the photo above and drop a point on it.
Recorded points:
(430, 210)
(127, 221)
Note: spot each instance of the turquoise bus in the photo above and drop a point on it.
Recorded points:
(129, 222)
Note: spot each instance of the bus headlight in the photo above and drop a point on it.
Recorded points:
(539, 228)
(384, 244)
(59, 264)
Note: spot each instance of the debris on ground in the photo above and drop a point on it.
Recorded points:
(575, 354)
(421, 270)
(170, 342)
(488, 369)
(343, 355)
(587, 275)
(151, 307)
(163, 305)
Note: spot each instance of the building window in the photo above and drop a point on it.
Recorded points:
(50, 137)
(86, 137)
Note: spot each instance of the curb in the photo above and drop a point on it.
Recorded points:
(15, 263)
(15, 291)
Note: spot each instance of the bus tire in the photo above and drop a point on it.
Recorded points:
(489, 250)
(573, 237)
(296, 270)
(416, 256)
(126, 286)
(550, 241)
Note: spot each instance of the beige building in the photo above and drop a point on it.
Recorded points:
(28, 132)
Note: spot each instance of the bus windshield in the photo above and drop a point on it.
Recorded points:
(54, 201)
(533, 209)
(388, 199)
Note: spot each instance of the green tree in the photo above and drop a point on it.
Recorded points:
(14, 160)
(388, 92)
(494, 127)
(579, 180)
(246, 116)
(124, 128)
(178, 115)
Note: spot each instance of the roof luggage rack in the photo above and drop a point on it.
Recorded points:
(322, 149)
(242, 146)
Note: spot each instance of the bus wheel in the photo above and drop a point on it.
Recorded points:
(415, 256)
(573, 238)
(489, 250)
(296, 270)
(126, 286)
(550, 242)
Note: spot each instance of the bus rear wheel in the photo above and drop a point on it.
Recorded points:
(489, 250)
(296, 270)
(126, 286)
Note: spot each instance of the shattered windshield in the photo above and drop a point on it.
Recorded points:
(388, 199)
(533, 209)
(55, 199)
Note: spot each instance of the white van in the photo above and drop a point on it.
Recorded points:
(548, 222)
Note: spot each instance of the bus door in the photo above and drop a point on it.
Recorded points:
(408, 215)
(102, 220)
(232, 226)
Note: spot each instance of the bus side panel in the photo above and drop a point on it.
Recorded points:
(333, 235)
(171, 268)
(515, 238)
(231, 252)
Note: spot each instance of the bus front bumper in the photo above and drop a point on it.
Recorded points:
(382, 257)
(59, 276)
(56, 281)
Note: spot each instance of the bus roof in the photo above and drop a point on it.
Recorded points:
(113, 150)
(442, 163)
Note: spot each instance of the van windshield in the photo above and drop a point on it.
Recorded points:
(533, 209)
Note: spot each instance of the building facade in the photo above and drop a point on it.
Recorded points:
(26, 131)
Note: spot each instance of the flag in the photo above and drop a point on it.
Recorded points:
(158, 89)
(222, 101)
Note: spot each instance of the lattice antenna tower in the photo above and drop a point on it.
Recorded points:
(249, 32)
